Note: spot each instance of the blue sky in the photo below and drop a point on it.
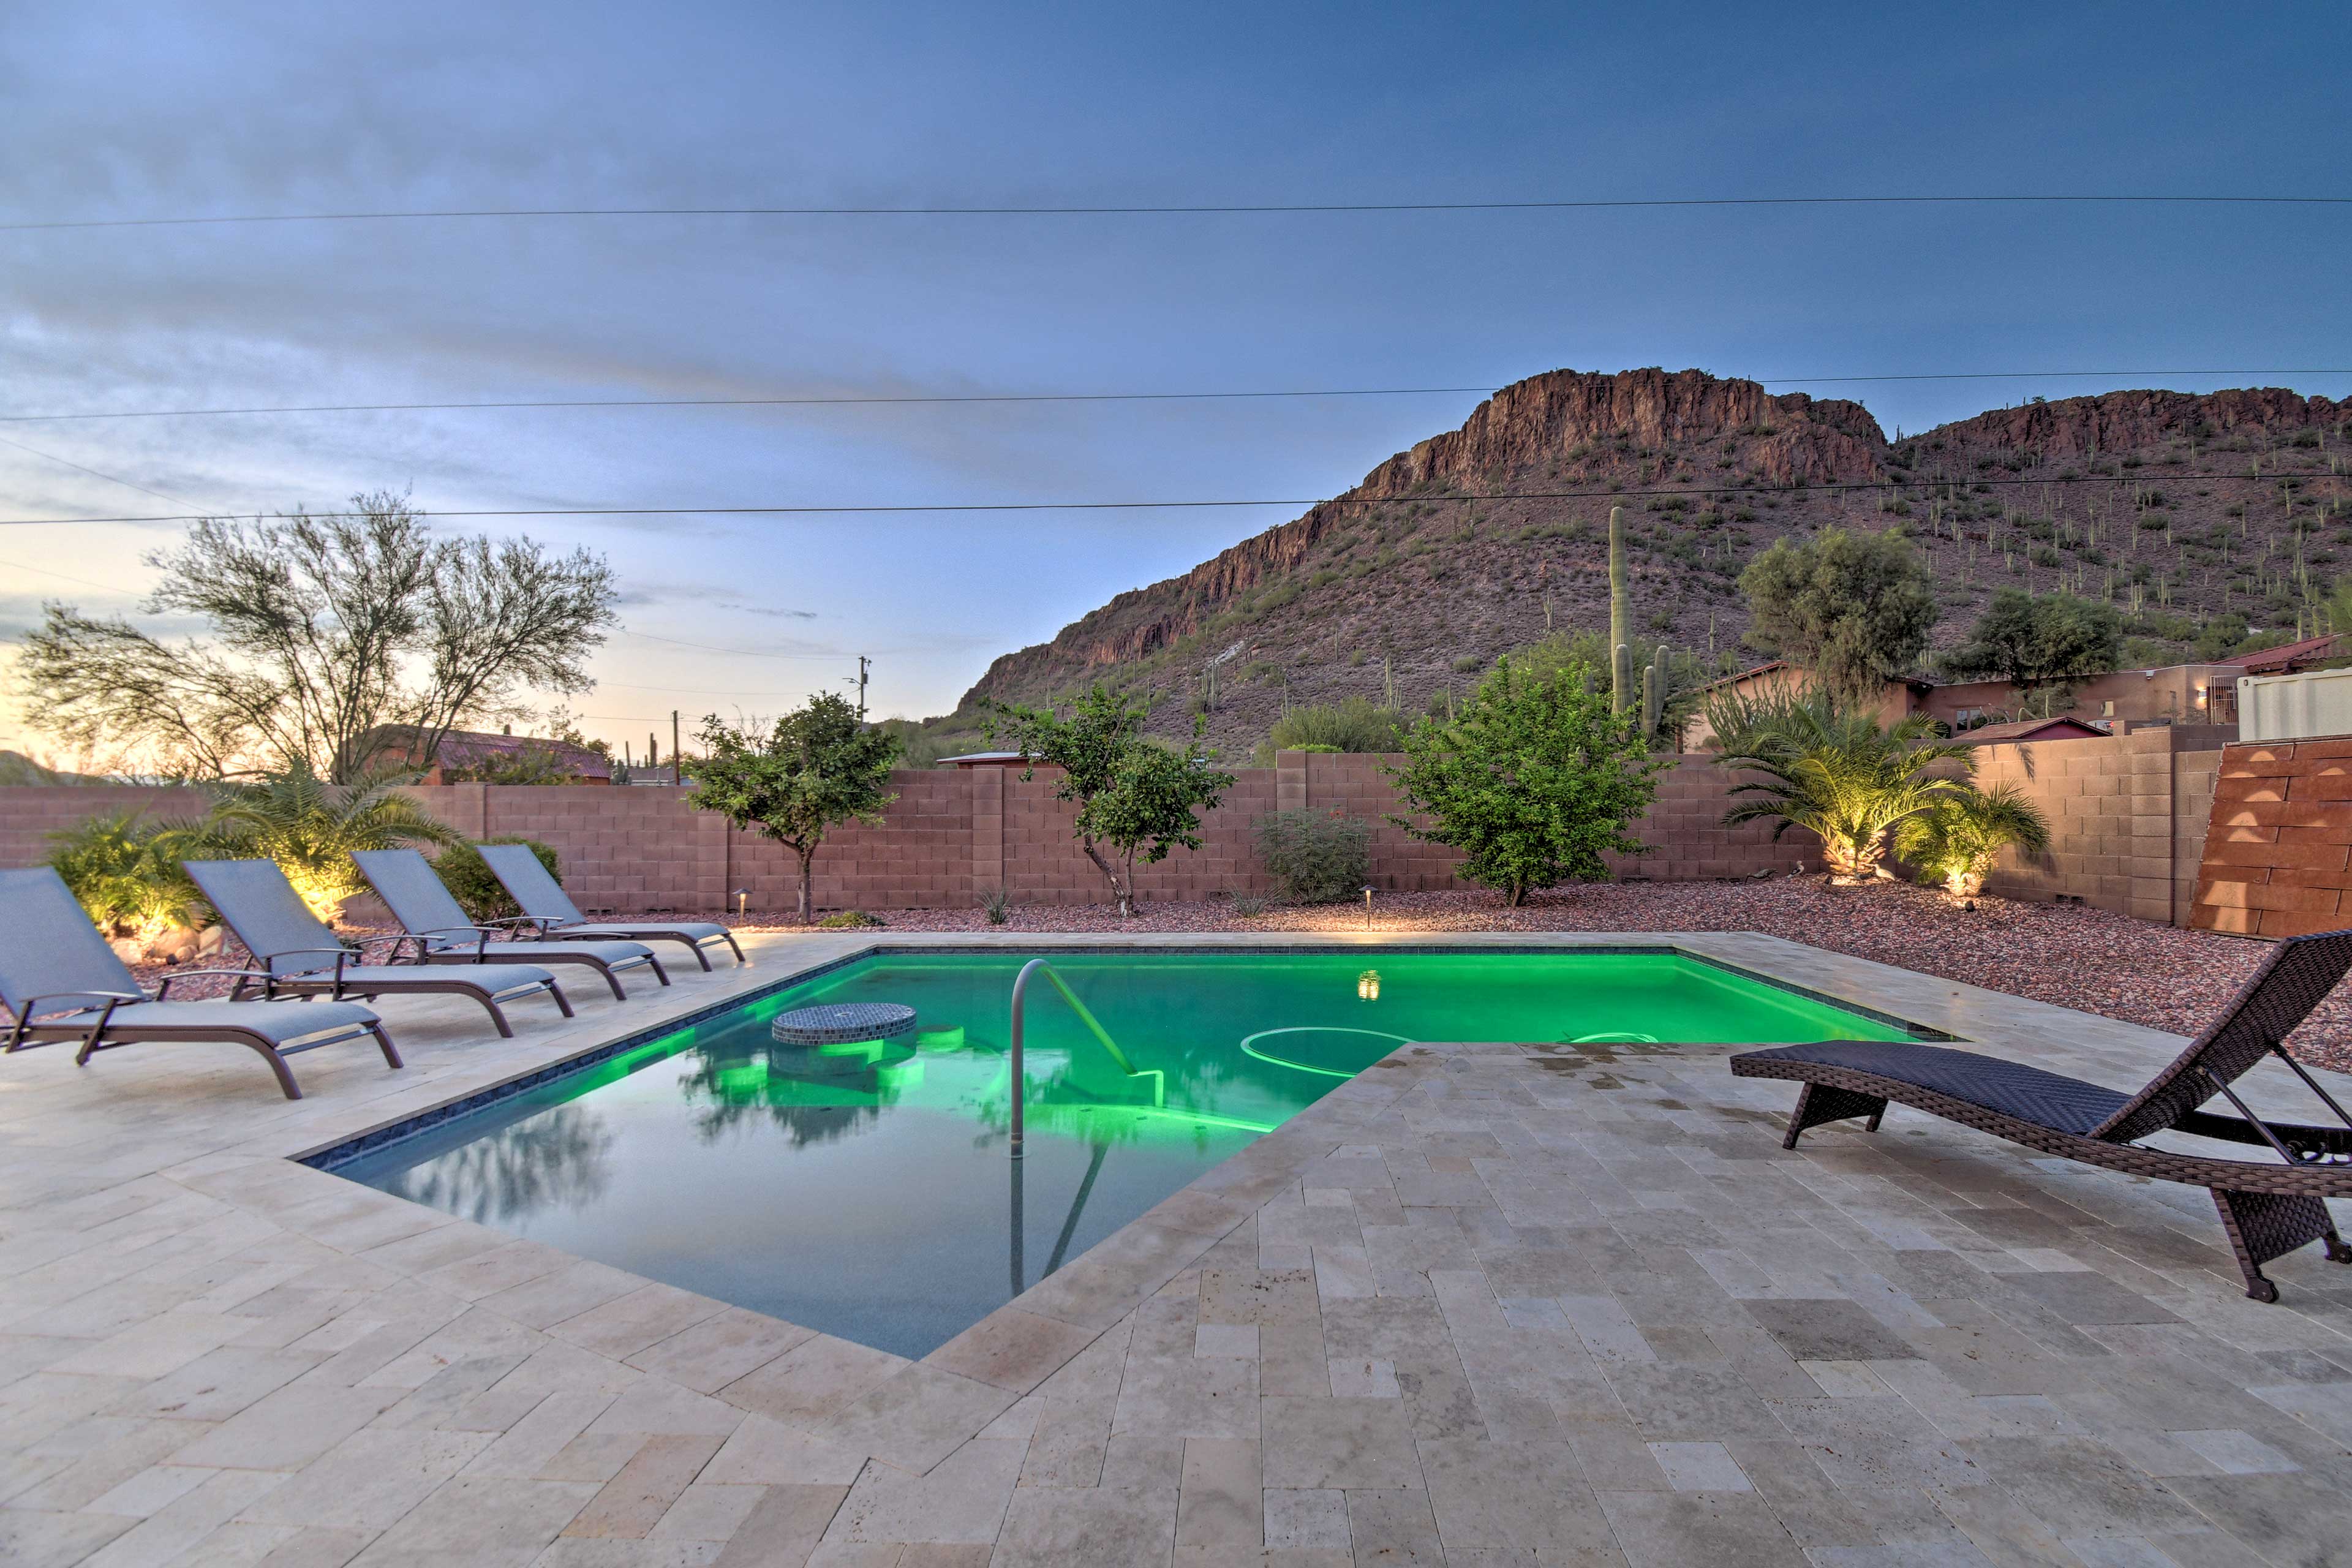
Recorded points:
(116, 111)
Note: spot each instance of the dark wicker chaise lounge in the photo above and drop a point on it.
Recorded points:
(54, 962)
(301, 957)
(409, 887)
(2269, 1209)
(546, 905)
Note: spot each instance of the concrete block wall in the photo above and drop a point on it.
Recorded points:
(2128, 817)
(30, 814)
(2129, 813)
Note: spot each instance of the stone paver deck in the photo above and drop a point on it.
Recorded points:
(1485, 1304)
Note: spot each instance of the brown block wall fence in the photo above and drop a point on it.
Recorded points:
(2278, 861)
(2129, 813)
(2128, 817)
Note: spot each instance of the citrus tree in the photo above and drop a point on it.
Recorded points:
(1534, 781)
(1137, 798)
(817, 768)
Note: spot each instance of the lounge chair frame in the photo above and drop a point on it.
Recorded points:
(328, 981)
(2268, 1210)
(445, 944)
(537, 894)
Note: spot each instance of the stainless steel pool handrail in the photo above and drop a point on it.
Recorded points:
(1020, 993)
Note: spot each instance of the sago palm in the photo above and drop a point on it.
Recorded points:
(1830, 767)
(311, 829)
(1957, 839)
(120, 869)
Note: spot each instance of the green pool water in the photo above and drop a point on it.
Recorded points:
(865, 1189)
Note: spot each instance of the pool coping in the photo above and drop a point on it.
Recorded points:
(928, 1408)
(332, 1157)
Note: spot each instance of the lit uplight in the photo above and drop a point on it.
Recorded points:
(1367, 986)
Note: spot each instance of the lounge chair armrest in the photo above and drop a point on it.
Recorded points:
(165, 985)
(481, 935)
(33, 1003)
(518, 922)
(301, 953)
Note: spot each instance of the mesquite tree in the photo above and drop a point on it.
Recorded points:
(819, 767)
(1136, 799)
(325, 632)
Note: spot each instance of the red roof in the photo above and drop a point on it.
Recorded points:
(2283, 656)
(2058, 729)
(470, 748)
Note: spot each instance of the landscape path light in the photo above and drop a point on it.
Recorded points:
(1368, 907)
(743, 897)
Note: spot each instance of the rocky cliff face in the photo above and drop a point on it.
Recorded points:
(1480, 539)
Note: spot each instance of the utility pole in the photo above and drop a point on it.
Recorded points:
(864, 665)
(673, 776)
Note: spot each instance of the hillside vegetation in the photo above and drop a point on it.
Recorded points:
(2177, 508)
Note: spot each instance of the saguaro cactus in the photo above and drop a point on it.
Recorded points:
(1653, 692)
(1621, 655)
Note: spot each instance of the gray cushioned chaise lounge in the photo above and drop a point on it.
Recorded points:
(409, 887)
(548, 908)
(2269, 1209)
(61, 982)
(299, 956)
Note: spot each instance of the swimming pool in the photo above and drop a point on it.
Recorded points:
(866, 1191)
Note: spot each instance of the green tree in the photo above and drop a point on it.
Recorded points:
(1957, 839)
(820, 766)
(1136, 799)
(324, 631)
(2221, 636)
(1853, 609)
(2030, 639)
(1826, 766)
(1534, 781)
(309, 828)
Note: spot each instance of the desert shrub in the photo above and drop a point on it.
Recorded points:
(1318, 857)
(998, 907)
(121, 867)
(1248, 906)
(848, 920)
(469, 880)
(1358, 724)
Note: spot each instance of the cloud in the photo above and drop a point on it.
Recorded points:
(783, 615)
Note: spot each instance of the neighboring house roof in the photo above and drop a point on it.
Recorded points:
(1916, 682)
(471, 749)
(986, 760)
(2286, 655)
(2060, 729)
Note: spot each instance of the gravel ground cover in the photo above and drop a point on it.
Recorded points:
(2072, 955)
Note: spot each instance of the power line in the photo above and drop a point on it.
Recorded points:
(1176, 209)
(1726, 492)
(64, 577)
(93, 473)
(739, 652)
(1016, 398)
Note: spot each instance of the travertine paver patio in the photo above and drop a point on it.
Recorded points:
(1485, 1304)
